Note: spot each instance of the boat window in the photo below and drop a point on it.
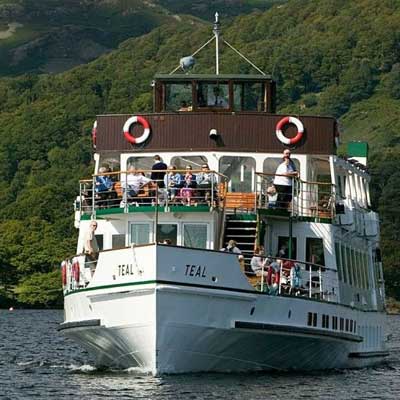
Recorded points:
(344, 263)
(240, 171)
(315, 251)
(118, 241)
(100, 241)
(195, 235)
(349, 265)
(144, 163)
(167, 232)
(195, 162)
(112, 163)
(249, 96)
(213, 94)
(178, 96)
(283, 247)
(338, 261)
(139, 233)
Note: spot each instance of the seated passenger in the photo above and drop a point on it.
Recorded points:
(134, 182)
(257, 262)
(103, 186)
(272, 197)
(189, 183)
(206, 183)
(232, 247)
(185, 106)
(172, 182)
(274, 271)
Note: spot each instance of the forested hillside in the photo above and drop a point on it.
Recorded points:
(55, 35)
(328, 57)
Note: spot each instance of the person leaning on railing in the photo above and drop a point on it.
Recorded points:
(90, 246)
(283, 180)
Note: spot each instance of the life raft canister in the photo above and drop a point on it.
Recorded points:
(94, 134)
(64, 273)
(136, 120)
(289, 120)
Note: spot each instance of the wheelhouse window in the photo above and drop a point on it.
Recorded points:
(213, 94)
(195, 235)
(178, 96)
(240, 171)
(249, 96)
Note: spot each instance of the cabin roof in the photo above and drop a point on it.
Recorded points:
(211, 77)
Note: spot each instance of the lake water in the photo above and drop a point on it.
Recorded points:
(38, 362)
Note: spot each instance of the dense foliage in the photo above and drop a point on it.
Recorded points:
(328, 57)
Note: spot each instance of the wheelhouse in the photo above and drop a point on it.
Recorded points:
(215, 93)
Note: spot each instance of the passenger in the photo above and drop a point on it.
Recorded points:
(217, 98)
(295, 279)
(185, 106)
(103, 187)
(172, 182)
(91, 247)
(167, 241)
(158, 171)
(283, 180)
(272, 197)
(242, 262)
(206, 183)
(134, 182)
(232, 248)
(189, 183)
(257, 262)
(273, 273)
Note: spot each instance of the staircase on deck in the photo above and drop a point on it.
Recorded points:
(242, 228)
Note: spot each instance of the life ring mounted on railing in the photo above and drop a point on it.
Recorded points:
(136, 120)
(289, 120)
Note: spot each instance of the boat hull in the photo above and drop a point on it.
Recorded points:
(171, 325)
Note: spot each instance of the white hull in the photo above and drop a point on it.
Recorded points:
(163, 320)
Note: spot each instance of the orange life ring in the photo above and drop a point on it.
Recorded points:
(289, 120)
(136, 120)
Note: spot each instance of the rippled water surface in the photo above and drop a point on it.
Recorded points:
(38, 362)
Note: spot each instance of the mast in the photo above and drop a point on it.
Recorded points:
(216, 31)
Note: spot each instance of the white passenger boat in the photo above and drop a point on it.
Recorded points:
(183, 305)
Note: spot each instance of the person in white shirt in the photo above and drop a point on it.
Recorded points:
(283, 180)
(135, 181)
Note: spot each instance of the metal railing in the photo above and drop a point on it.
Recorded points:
(302, 198)
(123, 189)
(281, 276)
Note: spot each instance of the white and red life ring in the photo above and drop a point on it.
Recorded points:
(94, 134)
(136, 120)
(289, 120)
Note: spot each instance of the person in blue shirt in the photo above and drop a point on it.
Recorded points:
(172, 182)
(104, 186)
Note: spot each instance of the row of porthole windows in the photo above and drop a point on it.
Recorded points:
(336, 323)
